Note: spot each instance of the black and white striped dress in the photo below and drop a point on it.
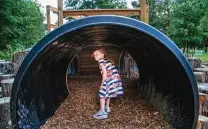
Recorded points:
(112, 86)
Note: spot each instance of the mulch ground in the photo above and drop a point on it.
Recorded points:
(127, 112)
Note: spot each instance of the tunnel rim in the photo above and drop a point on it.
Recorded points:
(95, 21)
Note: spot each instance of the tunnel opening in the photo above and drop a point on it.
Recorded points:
(166, 79)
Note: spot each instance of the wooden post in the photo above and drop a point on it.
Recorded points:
(60, 12)
(142, 4)
(144, 11)
(7, 87)
(147, 14)
(48, 18)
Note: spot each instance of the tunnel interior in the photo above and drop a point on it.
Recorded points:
(166, 81)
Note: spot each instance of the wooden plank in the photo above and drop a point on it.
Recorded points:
(53, 26)
(53, 9)
(7, 87)
(6, 76)
(90, 48)
(90, 73)
(108, 55)
(88, 66)
(48, 16)
(202, 99)
(147, 14)
(203, 87)
(89, 70)
(87, 61)
(88, 12)
(144, 11)
(5, 113)
(200, 77)
(109, 50)
(142, 16)
(84, 59)
(115, 55)
(60, 12)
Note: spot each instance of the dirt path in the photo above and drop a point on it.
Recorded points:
(127, 112)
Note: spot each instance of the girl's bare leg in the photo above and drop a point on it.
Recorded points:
(107, 102)
(102, 104)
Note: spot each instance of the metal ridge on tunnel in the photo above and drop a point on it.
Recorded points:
(104, 20)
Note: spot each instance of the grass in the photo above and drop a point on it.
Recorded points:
(7, 54)
(203, 57)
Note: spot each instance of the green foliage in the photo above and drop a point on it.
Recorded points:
(7, 54)
(203, 57)
(21, 23)
(187, 23)
(95, 4)
(160, 11)
(203, 27)
(135, 4)
(184, 21)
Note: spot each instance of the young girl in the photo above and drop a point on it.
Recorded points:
(111, 85)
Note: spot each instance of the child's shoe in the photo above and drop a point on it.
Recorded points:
(107, 109)
(100, 115)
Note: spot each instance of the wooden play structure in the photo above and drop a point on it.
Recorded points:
(143, 12)
(85, 65)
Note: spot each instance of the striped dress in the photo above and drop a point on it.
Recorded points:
(112, 86)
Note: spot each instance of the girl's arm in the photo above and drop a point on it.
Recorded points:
(104, 73)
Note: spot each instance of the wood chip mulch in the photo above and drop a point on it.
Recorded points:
(127, 112)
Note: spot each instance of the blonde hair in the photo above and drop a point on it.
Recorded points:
(103, 51)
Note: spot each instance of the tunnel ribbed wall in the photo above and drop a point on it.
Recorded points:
(166, 79)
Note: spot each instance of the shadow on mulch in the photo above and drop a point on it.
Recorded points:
(127, 112)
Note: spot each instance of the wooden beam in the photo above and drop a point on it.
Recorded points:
(53, 9)
(48, 16)
(60, 12)
(142, 16)
(53, 26)
(88, 12)
(147, 14)
(203, 98)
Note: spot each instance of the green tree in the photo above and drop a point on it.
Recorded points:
(203, 27)
(185, 21)
(21, 23)
(95, 4)
(159, 12)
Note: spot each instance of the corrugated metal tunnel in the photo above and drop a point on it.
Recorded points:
(166, 79)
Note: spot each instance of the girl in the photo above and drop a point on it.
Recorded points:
(111, 85)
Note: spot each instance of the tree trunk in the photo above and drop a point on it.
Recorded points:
(187, 47)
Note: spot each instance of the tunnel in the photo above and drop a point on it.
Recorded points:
(166, 79)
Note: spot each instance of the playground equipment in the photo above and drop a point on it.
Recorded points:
(166, 79)
(143, 12)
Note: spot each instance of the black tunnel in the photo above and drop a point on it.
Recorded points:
(166, 79)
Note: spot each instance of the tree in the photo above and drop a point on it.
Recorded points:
(184, 25)
(21, 23)
(159, 12)
(203, 27)
(95, 4)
